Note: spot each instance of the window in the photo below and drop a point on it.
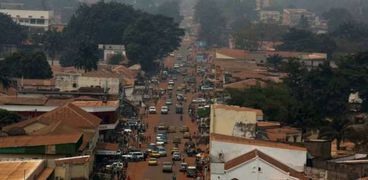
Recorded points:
(74, 85)
(33, 21)
(40, 21)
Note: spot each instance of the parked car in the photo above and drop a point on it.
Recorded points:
(152, 162)
(179, 109)
(154, 154)
(191, 171)
(171, 82)
(170, 87)
(174, 149)
(152, 110)
(169, 101)
(162, 151)
(167, 167)
(176, 156)
(164, 110)
(199, 100)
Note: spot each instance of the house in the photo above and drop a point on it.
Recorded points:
(292, 17)
(236, 158)
(31, 18)
(269, 17)
(77, 167)
(234, 120)
(64, 120)
(36, 84)
(284, 134)
(110, 50)
(25, 169)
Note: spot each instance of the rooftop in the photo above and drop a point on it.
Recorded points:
(238, 108)
(18, 170)
(24, 141)
(107, 146)
(256, 153)
(36, 82)
(265, 124)
(240, 140)
(73, 160)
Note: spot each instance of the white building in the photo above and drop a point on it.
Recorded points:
(235, 158)
(292, 17)
(270, 17)
(31, 18)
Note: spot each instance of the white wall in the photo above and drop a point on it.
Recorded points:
(295, 159)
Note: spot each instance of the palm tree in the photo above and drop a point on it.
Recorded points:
(87, 57)
(336, 129)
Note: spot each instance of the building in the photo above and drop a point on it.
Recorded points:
(30, 18)
(234, 120)
(292, 17)
(269, 17)
(261, 4)
(25, 170)
(77, 167)
(110, 50)
(62, 121)
(235, 158)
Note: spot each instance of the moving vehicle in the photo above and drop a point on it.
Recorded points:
(191, 171)
(162, 151)
(152, 162)
(199, 100)
(179, 109)
(171, 82)
(176, 156)
(154, 154)
(170, 87)
(151, 147)
(152, 110)
(164, 110)
(174, 149)
(167, 167)
(169, 101)
(183, 167)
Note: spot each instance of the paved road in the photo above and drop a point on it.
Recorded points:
(141, 170)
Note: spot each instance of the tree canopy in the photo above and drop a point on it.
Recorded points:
(170, 8)
(11, 32)
(29, 66)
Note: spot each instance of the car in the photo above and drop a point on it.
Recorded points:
(199, 100)
(176, 156)
(191, 171)
(175, 78)
(152, 110)
(137, 156)
(152, 162)
(167, 167)
(170, 87)
(151, 147)
(171, 82)
(169, 101)
(162, 151)
(164, 110)
(174, 149)
(179, 109)
(183, 167)
(154, 154)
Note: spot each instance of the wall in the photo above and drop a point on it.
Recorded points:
(223, 121)
(113, 84)
(65, 81)
(293, 158)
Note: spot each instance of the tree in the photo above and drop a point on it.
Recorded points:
(337, 17)
(150, 38)
(8, 118)
(30, 66)
(53, 43)
(336, 129)
(212, 23)
(170, 8)
(116, 59)
(11, 32)
(87, 57)
(274, 60)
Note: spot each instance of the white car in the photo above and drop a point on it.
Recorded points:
(152, 110)
(199, 100)
(171, 82)
(164, 110)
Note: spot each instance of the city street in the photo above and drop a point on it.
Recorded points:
(141, 170)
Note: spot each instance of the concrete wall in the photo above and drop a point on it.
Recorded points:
(224, 121)
(293, 158)
(113, 84)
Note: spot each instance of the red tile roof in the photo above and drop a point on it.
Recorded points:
(45, 174)
(239, 140)
(23, 141)
(256, 153)
(277, 134)
(238, 108)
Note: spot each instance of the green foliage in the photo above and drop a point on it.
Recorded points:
(146, 37)
(29, 66)
(301, 40)
(11, 33)
(275, 101)
(274, 60)
(212, 23)
(53, 43)
(87, 57)
(7, 118)
(203, 112)
(337, 17)
(151, 37)
(170, 8)
(116, 59)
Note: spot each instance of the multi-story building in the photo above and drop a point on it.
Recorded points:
(260, 4)
(269, 17)
(292, 17)
(31, 18)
